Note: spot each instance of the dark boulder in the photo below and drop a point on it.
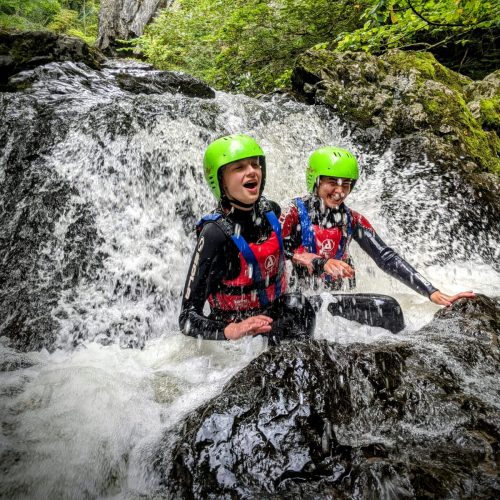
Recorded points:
(395, 419)
(140, 78)
(27, 50)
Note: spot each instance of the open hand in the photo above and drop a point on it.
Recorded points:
(305, 259)
(338, 269)
(250, 326)
(442, 299)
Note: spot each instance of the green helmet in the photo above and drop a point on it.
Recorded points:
(226, 150)
(332, 162)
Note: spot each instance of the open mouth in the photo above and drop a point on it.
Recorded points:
(250, 184)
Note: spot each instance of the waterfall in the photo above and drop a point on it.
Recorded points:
(100, 190)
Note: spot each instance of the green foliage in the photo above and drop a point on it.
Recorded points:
(419, 24)
(73, 17)
(65, 19)
(27, 14)
(247, 46)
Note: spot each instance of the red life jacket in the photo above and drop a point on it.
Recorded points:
(330, 243)
(262, 277)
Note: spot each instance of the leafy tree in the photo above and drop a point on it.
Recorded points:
(243, 45)
(448, 28)
(73, 17)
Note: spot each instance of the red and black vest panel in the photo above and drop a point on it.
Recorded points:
(329, 243)
(262, 277)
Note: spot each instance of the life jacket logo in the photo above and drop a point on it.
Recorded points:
(241, 304)
(327, 245)
(270, 262)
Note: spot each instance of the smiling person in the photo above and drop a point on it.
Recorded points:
(238, 265)
(318, 229)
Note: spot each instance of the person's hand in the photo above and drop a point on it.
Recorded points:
(442, 299)
(250, 326)
(338, 269)
(305, 259)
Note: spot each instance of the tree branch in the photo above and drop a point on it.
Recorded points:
(432, 23)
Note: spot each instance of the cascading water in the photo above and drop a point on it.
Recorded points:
(100, 190)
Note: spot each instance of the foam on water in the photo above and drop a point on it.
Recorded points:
(85, 423)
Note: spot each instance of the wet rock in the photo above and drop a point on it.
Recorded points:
(75, 155)
(11, 360)
(140, 78)
(316, 420)
(27, 50)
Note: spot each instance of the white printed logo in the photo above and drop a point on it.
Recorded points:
(270, 262)
(327, 245)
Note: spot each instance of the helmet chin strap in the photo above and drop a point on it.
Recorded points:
(238, 203)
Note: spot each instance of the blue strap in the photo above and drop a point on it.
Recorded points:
(249, 256)
(251, 260)
(345, 238)
(275, 224)
(207, 218)
(308, 239)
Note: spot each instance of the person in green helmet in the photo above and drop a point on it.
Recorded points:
(238, 265)
(319, 227)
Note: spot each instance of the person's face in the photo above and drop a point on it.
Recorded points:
(333, 190)
(241, 180)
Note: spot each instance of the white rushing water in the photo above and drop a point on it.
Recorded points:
(83, 422)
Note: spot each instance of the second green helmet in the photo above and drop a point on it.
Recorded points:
(332, 162)
(226, 150)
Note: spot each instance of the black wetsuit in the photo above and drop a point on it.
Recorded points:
(334, 220)
(216, 258)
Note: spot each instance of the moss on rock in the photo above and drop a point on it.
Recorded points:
(490, 113)
(402, 93)
(426, 64)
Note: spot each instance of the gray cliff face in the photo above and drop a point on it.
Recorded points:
(125, 19)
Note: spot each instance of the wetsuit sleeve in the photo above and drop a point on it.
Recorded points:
(387, 259)
(204, 272)
(290, 224)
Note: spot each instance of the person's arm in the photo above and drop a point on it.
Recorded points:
(441, 299)
(388, 260)
(203, 272)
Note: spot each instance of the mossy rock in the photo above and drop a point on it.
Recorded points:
(427, 67)
(402, 93)
(483, 100)
(490, 114)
